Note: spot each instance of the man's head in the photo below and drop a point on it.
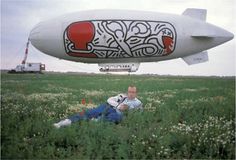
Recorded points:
(132, 92)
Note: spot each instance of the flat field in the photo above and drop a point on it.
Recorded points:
(183, 117)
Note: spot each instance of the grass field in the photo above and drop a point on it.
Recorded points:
(183, 117)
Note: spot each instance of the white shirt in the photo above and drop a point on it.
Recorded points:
(121, 99)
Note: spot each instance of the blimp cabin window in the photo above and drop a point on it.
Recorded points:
(30, 65)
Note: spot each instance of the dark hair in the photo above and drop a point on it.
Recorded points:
(132, 86)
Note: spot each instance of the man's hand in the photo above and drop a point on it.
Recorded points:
(123, 107)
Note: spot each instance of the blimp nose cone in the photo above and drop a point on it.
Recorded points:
(35, 36)
(40, 35)
(46, 37)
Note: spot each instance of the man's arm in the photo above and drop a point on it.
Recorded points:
(115, 101)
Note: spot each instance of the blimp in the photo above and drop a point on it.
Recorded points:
(119, 40)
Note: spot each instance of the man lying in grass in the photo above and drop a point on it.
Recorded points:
(111, 111)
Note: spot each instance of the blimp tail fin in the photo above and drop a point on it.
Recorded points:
(196, 58)
(196, 13)
(203, 33)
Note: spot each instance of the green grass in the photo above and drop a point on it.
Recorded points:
(184, 117)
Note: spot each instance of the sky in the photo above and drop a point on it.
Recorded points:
(18, 17)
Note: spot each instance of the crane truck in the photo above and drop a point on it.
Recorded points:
(28, 67)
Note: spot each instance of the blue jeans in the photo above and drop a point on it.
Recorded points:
(103, 111)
